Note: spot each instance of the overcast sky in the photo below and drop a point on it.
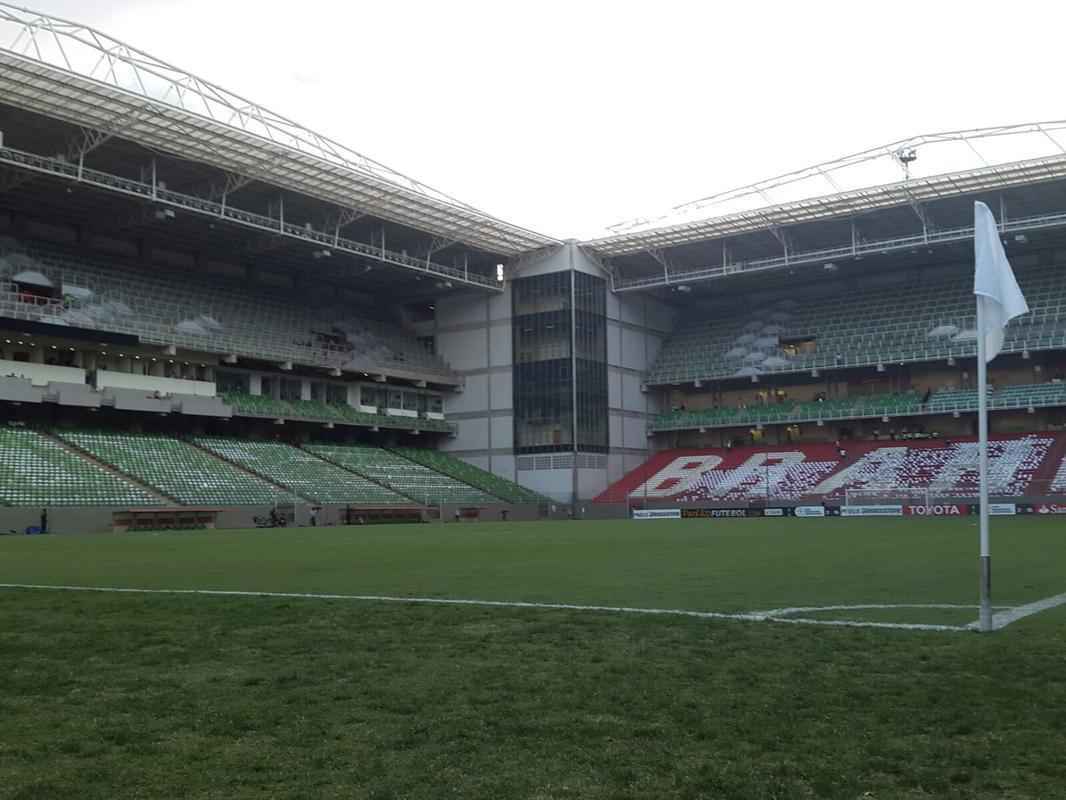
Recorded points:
(566, 117)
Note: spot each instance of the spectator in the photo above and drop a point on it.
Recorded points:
(44, 520)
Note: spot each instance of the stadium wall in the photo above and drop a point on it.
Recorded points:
(475, 336)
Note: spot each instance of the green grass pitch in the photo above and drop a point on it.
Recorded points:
(106, 695)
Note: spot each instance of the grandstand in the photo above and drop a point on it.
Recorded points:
(37, 470)
(409, 478)
(1019, 466)
(204, 303)
(181, 471)
(302, 472)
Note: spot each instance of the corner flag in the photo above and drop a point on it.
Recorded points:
(994, 284)
(999, 300)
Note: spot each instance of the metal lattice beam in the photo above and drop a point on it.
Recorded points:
(75, 73)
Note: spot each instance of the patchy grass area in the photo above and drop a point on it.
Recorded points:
(160, 696)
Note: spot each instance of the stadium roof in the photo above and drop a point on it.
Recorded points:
(906, 172)
(69, 72)
(72, 72)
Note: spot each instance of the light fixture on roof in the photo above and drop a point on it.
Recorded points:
(830, 267)
(323, 253)
(906, 156)
(499, 273)
(684, 288)
(163, 214)
(1025, 354)
(1021, 238)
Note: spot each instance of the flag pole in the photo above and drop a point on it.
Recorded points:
(985, 617)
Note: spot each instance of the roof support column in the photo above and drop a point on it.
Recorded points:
(345, 217)
(922, 214)
(783, 239)
(660, 257)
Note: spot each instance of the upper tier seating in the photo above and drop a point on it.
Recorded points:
(36, 470)
(220, 318)
(892, 405)
(817, 471)
(303, 472)
(407, 477)
(915, 321)
(177, 469)
(467, 473)
(261, 406)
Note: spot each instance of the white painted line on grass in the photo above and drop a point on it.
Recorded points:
(776, 615)
(1005, 618)
(785, 612)
(851, 623)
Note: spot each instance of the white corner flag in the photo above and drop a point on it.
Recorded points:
(999, 300)
(997, 291)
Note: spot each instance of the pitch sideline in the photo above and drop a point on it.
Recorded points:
(1007, 615)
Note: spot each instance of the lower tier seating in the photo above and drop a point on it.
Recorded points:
(178, 469)
(946, 468)
(502, 488)
(1058, 483)
(36, 470)
(407, 477)
(302, 472)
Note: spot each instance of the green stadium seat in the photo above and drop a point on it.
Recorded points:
(474, 476)
(302, 472)
(178, 469)
(36, 470)
(416, 480)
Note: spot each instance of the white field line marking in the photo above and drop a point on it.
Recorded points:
(850, 623)
(758, 616)
(785, 612)
(1005, 618)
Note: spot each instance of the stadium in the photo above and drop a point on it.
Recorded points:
(215, 320)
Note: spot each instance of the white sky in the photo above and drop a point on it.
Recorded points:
(566, 117)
